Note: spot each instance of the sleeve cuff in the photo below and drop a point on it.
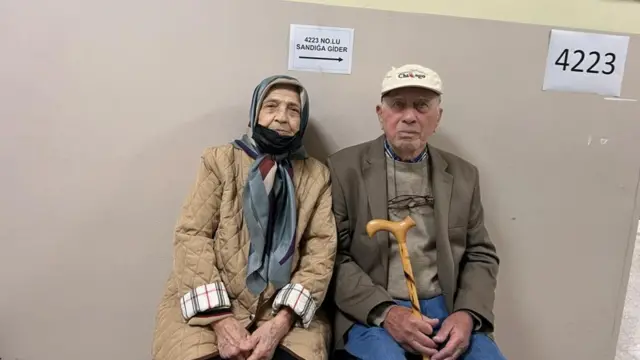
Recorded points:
(477, 321)
(206, 304)
(298, 299)
(379, 313)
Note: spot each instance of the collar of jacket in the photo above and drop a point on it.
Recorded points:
(389, 151)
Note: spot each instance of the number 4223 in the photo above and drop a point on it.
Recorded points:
(609, 62)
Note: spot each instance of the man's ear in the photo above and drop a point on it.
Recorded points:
(378, 112)
(440, 115)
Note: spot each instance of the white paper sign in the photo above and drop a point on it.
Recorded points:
(320, 49)
(585, 62)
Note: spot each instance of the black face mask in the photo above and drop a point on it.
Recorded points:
(270, 142)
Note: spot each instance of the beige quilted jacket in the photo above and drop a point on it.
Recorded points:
(211, 248)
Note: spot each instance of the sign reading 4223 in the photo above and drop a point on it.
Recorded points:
(596, 63)
(586, 62)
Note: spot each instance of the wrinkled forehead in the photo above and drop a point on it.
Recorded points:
(411, 93)
(283, 92)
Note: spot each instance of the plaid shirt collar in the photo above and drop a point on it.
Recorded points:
(389, 151)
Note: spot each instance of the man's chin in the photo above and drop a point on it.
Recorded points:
(409, 144)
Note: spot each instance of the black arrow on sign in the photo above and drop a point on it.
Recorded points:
(320, 58)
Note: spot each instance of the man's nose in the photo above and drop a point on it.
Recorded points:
(409, 117)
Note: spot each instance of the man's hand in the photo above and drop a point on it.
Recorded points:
(456, 332)
(230, 334)
(264, 341)
(410, 331)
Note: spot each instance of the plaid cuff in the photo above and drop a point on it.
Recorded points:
(299, 299)
(207, 301)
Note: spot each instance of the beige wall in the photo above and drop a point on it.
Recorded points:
(106, 106)
(602, 15)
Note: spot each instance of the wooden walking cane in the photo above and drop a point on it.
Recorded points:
(399, 229)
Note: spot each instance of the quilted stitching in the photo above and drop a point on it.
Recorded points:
(213, 209)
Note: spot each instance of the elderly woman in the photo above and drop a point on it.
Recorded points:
(255, 244)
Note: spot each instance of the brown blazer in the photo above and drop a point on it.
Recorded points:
(467, 259)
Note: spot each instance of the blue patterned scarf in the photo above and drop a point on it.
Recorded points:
(269, 203)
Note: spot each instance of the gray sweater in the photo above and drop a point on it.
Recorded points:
(412, 179)
(405, 178)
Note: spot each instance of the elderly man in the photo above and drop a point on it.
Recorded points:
(454, 262)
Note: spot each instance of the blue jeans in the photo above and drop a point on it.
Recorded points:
(372, 343)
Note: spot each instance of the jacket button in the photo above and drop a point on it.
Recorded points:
(251, 317)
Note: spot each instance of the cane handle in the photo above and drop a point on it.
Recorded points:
(399, 229)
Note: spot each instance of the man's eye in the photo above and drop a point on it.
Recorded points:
(422, 106)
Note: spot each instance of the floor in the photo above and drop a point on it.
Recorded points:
(629, 340)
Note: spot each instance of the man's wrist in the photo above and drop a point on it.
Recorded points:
(384, 314)
(379, 313)
(476, 321)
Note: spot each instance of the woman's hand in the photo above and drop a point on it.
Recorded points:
(264, 341)
(230, 334)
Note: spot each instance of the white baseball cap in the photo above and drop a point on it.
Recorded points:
(411, 75)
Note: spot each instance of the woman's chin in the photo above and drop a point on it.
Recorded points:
(284, 133)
